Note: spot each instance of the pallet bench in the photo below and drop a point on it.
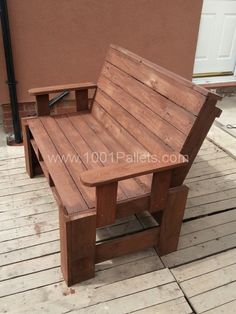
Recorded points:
(139, 111)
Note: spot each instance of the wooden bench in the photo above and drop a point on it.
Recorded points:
(138, 109)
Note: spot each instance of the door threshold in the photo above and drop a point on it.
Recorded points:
(216, 81)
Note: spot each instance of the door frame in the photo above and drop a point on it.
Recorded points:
(224, 79)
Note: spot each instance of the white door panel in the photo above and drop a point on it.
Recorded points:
(216, 48)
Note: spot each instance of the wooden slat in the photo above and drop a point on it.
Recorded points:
(137, 301)
(66, 187)
(27, 147)
(127, 140)
(136, 66)
(225, 308)
(81, 97)
(127, 189)
(83, 149)
(159, 192)
(218, 283)
(163, 107)
(126, 244)
(131, 148)
(209, 281)
(11, 183)
(128, 170)
(77, 238)
(202, 281)
(206, 265)
(41, 162)
(60, 88)
(42, 105)
(129, 269)
(22, 198)
(196, 138)
(168, 74)
(133, 206)
(145, 137)
(165, 131)
(35, 147)
(203, 237)
(171, 220)
(123, 139)
(71, 160)
(106, 199)
(177, 306)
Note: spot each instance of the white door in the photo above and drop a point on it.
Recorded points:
(216, 48)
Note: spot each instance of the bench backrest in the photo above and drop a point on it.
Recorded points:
(159, 109)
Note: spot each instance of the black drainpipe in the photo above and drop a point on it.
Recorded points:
(10, 70)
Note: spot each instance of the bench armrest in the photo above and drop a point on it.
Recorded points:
(60, 88)
(123, 171)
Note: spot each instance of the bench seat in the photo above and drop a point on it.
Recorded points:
(67, 145)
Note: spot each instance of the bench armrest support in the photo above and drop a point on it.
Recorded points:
(42, 96)
(123, 171)
(106, 182)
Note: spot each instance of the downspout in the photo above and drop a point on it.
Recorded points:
(10, 71)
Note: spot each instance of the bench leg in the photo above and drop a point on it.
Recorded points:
(78, 240)
(171, 220)
(31, 162)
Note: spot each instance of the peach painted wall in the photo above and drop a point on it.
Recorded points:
(65, 41)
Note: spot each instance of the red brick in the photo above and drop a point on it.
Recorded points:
(30, 106)
(7, 115)
(29, 109)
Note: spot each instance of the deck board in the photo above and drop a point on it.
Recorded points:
(210, 284)
(200, 270)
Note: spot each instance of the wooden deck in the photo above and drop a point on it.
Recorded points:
(198, 278)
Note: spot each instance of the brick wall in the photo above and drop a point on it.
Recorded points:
(29, 109)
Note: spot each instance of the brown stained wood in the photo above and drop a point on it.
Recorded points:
(77, 239)
(130, 144)
(113, 127)
(133, 206)
(27, 147)
(165, 131)
(112, 134)
(42, 105)
(161, 83)
(79, 144)
(126, 244)
(132, 187)
(171, 75)
(81, 97)
(34, 145)
(99, 149)
(106, 199)
(139, 108)
(159, 192)
(66, 188)
(71, 160)
(45, 171)
(117, 147)
(171, 220)
(86, 154)
(124, 171)
(60, 88)
(195, 139)
(31, 161)
(145, 137)
(41, 164)
(175, 115)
